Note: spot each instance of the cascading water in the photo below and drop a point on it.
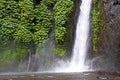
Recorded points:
(81, 41)
(77, 63)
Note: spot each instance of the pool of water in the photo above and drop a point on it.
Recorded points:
(97, 75)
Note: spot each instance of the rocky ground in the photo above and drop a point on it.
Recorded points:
(96, 75)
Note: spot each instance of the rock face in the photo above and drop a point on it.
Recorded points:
(109, 43)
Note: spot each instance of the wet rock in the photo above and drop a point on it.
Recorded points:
(102, 78)
(109, 43)
(118, 78)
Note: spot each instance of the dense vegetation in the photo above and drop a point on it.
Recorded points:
(97, 22)
(26, 24)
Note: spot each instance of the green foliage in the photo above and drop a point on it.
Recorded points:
(8, 21)
(40, 36)
(43, 23)
(7, 56)
(8, 9)
(60, 52)
(42, 18)
(22, 34)
(60, 34)
(8, 27)
(20, 52)
(62, 8)
(48, 2)
(23, 22)
(97, 22)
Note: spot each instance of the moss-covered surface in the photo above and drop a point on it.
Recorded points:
(97, 22)
(63, 10)
(107, 45)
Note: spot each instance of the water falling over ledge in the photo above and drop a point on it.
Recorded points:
(79, 52)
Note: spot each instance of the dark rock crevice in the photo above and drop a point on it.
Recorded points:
(116, 2)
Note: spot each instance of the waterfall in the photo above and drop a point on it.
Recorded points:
(79, 52)
(81, 40)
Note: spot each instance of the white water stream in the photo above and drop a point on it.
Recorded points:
(77, 63)
(81, 41)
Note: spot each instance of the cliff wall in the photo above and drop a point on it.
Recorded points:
(108, 45)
